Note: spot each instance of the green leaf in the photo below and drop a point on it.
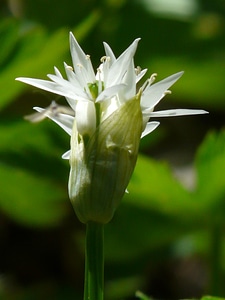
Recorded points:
(142, 296)
(9, 38)
(30, 199)
(211, 298)
(195, 87)
(32, 188)
(154, 187)
(210, 164)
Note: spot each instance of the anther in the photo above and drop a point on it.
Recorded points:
(168, 92)
(152, 78)
(137, 70)
(69, 68)
(104, 59)
(80, 65)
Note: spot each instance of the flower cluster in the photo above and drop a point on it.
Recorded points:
(106, 118)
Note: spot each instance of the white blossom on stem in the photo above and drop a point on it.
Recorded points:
(106, 118)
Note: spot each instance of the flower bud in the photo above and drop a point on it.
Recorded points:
(85, 117)
(101, 168)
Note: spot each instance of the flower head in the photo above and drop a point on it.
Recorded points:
(106, 118)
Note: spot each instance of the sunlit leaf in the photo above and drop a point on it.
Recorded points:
(202, 84)
(210, 163)
(32, 189)
(30, 199)
(211, 298)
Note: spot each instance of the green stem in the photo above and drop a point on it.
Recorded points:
(94, 262)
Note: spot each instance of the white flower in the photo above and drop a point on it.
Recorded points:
(114, 84)
(106, 119)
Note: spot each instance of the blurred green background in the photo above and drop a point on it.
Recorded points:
(167, 238)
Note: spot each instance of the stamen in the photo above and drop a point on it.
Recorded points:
(145, 85)
(105, 59)
(153, 77)
(168, 92)
(80, 66)
(69, 68)
(88, 57)
(148, 82)
(137, 70)
(100, 81)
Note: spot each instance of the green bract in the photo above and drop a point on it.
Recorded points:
(101, 170)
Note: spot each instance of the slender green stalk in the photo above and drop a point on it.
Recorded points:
(94, 262)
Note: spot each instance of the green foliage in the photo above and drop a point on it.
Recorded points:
(211, 298)
(142, 296)
(210, 165)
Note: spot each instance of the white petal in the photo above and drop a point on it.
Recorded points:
(80, 58)
(177, 112)
(150, 126)
(72, 103)
(154, 93)
(140, 75)
(66, 155)
(64, 121)
(78, 55)
(85, 117)
(55, 88)
(57, 72)
(109, 106)
(73, 78)
(130, 81)
(119, 67)
(69, 86)
(109, 52)
(110, 92)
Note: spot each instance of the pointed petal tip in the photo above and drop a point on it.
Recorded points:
(72, 38)
(19, 78)
(177, 75)
(37, 108)
(66, 155)
(177, 112)
(71, 34)
(202, 111)
(136, 41)
(180, 73)
(22, 79)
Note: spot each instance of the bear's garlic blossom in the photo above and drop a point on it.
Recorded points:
(106, 118)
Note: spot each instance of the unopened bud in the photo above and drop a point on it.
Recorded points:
(101, 169)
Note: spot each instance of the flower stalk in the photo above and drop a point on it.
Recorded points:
(94, 262)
